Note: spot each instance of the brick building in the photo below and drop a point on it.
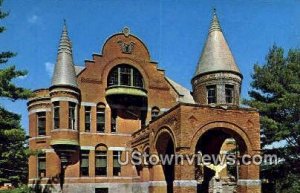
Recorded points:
(121, 101)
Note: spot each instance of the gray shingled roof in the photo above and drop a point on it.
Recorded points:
(184, 93)
(216, 54)
(64, 71)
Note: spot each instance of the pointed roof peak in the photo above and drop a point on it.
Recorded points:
(64, 72)
(216, 55)
(65, 43)
(215, 24)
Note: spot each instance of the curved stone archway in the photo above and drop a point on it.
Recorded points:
(208, 140)
(164, 171)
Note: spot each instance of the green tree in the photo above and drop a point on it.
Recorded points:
(13, 150)
(276, 94)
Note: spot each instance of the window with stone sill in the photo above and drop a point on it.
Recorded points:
(125, 75)
(56, 118)
(116, 164)
(100, 118)
(84, 163)
(41, 165)
(87, 118)
(211, 94)
(101, 163)
(41, 123)
(72, 115)
(113, 120)
(229, 93)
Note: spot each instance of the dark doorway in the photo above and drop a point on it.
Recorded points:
(165, 147)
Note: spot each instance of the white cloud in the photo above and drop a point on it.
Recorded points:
(23, 77)
(33, 19)
(49, 68)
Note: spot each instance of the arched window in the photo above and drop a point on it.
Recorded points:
(100, 118)
(101, 160)
(125, 75)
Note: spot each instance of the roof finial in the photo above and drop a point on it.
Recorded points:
(215, 25)
(126, 31)
(214, 11)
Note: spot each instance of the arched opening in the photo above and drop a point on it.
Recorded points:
(221, 169)
(165, 147)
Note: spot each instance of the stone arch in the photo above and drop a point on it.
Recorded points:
(101, 147)
(165, 145)
(165, 129)
(209, 139)
(230, 127)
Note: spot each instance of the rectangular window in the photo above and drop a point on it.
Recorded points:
(72, 118)
(101, 190)
(56, 114)
(100, 120)
(84, 163)
(41, 165)
(101, 163)
(87, 116)
(116, 164)
(211, 94)
(41, 123)
(125, 76)
(113, 121)
(229, 93)
(113, 77)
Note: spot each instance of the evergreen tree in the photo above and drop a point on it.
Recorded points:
(13, 156)
(276, 94)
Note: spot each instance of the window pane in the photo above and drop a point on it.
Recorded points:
(101, 190)
(113, 77)
(72, 107)
(41, 117)
(211, 94)
(229, 93)
(42, 165)
(100, 118)
(137, 79)
(56, 115)
(101, 163)
(84, 163)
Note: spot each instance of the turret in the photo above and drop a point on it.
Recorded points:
(64, 95)
(217, 79)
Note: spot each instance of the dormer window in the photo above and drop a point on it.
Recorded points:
(125, 75)
(154, 112)
(229, 93)
(211, 94)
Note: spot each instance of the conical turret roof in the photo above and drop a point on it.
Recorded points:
(64, 71)
(216, 54)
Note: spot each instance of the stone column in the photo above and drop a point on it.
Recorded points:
(157, 183)
(249, 186)
(249, 181)
(92, 163)
(184, 181)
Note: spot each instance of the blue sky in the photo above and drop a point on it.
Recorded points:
(174, 32)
